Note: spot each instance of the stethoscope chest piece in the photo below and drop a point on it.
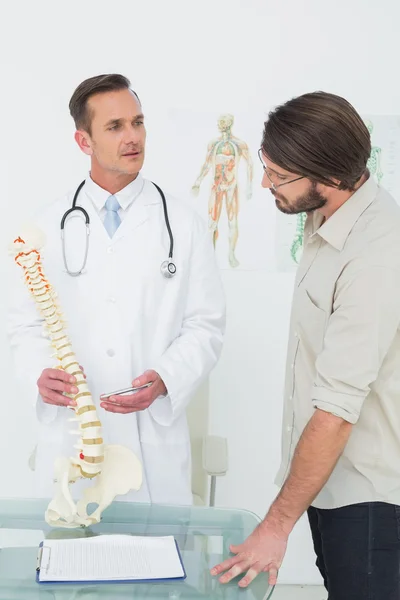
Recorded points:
(168, 269)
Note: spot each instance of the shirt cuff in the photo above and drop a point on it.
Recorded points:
(345, 406)
(161, 411)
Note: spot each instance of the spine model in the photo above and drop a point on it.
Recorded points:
(115, 469)
(90, 451)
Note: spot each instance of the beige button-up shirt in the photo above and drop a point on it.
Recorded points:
(344, 346)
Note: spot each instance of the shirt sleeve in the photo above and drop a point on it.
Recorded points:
(360, 331)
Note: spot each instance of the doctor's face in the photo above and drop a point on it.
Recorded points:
(118, 135)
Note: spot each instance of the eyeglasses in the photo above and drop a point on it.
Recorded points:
(273, 185)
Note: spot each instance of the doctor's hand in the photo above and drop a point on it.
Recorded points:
(262, 551)
(138, 400)
(53, 383)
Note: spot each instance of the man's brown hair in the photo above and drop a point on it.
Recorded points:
(319, 136)
(78, 105)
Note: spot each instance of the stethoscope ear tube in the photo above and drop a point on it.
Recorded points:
(71, 210)
(171, 237)
(79, 272)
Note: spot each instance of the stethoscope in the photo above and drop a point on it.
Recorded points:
(168, 267)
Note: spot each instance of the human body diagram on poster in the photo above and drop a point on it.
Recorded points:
(223, 157)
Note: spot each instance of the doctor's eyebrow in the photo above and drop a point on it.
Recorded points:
(113, 122)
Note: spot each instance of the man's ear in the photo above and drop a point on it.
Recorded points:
(327, 190)
(84, 142)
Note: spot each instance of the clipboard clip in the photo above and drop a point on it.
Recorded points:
(39, 558)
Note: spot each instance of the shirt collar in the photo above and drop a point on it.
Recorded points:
(125, 197)
(337, 228)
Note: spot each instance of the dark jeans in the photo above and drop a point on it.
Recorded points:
(358, 550)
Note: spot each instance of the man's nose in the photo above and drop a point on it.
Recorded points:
(132, 135)
(265, 182)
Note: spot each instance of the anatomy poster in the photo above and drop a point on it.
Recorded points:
(384, 165)
(217, 170)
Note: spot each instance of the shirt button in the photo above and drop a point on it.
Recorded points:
(290, 397)
(110, 249)
(110, 352)
(288, 428)
(112, 300)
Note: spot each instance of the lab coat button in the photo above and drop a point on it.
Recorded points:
(112, 299)
(110, 352)
(110, 249)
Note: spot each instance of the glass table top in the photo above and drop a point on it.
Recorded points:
(203, 535)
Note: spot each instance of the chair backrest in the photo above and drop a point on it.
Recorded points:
(197, 416)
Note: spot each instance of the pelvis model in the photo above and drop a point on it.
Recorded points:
(114, 469)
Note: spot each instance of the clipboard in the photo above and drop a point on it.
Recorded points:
(42, 551)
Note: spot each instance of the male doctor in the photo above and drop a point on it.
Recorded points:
(128, 324)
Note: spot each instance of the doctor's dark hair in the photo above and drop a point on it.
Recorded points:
(78, 105)
(319, 136)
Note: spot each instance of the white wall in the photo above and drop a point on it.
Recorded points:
(215, 56)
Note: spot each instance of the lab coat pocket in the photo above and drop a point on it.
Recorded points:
(311, 322)
(155, 431)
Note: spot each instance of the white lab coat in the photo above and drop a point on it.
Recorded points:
(124, 317)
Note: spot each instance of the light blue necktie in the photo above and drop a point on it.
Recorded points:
(112, 219)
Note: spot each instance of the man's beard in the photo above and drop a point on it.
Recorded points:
(308, 202)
